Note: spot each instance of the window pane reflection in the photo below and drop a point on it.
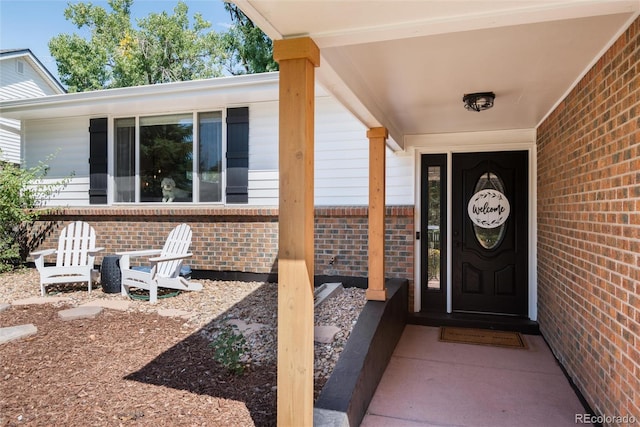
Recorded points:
(166, 158)
(125, 160)
(210, 156)
(433, 228)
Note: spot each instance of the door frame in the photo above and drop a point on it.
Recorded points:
(514, 140)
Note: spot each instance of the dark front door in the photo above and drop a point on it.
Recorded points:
(490, 232)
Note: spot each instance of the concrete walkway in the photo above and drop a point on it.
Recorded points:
(432, 383)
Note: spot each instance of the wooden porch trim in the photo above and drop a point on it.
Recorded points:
(297, 59)
(377, 139)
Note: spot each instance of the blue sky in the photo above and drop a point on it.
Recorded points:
(30, 24)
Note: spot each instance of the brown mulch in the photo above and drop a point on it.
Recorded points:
(123, 369)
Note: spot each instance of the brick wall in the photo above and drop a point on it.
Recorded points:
(589, 230)
(246, 239)
(343, 233)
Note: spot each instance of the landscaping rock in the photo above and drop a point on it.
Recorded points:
(172, 312)
(11, 333)
(86, 312)
(325, 334)
(39, 300)
(244, 328)
(329, 418)
(120, 305)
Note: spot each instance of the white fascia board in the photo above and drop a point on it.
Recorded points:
(493, 17)
(220, 91)
(46, 74)
(477, 141)
(257, 19)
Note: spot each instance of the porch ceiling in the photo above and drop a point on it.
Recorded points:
(405, 65)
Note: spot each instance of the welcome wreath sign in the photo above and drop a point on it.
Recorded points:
(488, 208)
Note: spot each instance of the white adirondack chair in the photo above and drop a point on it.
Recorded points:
(75, 257)
(165, 266)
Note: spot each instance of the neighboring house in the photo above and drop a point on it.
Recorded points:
(22, 76)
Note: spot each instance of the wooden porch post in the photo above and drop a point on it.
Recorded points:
(297, 59)
(376, 288)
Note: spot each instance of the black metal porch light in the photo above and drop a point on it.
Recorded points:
(478, 101)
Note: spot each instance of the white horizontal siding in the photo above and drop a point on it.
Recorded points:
(10, 140)
(13, 85)
(74, 193)
(67, 141)
(399, 179)
(263, 188)
(341, 159)
(341, 156)
(263, 136)
(263, 154)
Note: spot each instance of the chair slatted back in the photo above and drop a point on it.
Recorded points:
(177, 243)
(76, 239)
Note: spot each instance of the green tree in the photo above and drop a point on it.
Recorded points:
(248, 49)
(22, 193)
(162, 48)
(169, 50)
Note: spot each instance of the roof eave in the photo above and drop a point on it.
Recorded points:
(69, 104)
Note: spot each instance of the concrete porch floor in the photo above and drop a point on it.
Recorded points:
(433, 383)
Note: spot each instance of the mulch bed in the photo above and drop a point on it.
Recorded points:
(123, 369)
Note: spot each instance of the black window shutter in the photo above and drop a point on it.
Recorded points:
(98, 161)
(238, 155)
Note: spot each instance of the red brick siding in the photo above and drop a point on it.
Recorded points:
(223, 240)
(246, 239)
(343, 233)
(589, 230)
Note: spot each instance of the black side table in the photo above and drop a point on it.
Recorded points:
(110, 276)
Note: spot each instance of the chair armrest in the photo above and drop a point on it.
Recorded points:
(43, 252)
(170, 257)
(38, 257)
(146, 252)
(95, 250)
(125, 257)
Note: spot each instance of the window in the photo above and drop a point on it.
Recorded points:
(433, 244)
(166, 158)
(210, 156)
(434, 212)
(125, 160)
(159, 166)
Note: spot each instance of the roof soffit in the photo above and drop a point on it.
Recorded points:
(405, 65)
